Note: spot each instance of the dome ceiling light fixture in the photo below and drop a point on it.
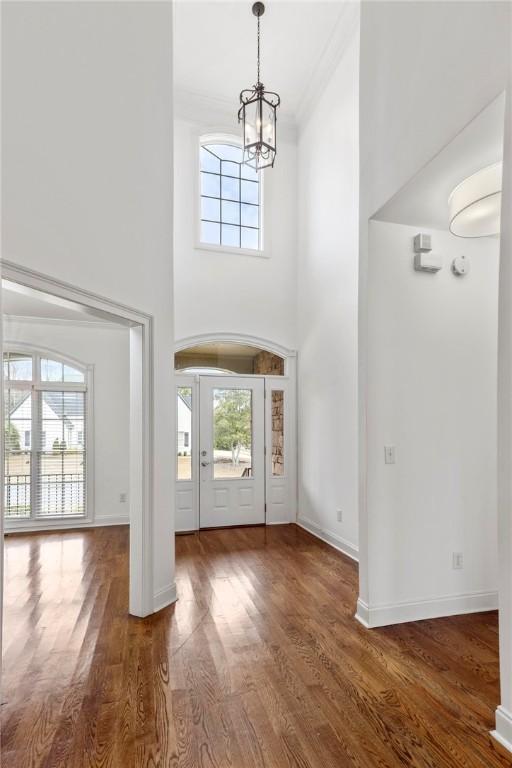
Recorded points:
(475, 203)
(258, 116)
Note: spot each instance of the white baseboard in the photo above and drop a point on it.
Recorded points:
(432, 608)
(37, 526)
(164, 597)
(362, 613)
(278, 522)
(503, 730)
(119, 520)
(336, 541)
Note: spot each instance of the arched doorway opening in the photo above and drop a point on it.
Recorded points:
(235, 433)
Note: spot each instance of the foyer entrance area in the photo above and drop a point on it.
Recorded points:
(235, 437)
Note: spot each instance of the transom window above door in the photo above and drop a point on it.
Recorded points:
(230, 198)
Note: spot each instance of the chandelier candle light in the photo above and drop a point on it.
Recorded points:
(258, 116)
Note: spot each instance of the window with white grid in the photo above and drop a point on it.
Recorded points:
(45, 424)
(230, 198)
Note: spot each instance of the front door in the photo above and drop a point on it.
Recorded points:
(231, 451)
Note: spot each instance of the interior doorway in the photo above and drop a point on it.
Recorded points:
(235, 436)
(67, 494)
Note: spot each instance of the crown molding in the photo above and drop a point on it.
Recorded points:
(214, 114)
(63, 322)
(342, 34)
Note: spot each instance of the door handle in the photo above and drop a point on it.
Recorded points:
(204, 463)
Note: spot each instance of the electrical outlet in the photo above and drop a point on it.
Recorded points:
(389, 454)
(339, 515)
(457, 560)
(122, 498)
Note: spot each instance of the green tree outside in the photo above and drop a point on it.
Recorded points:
(12, 437)
(232, 421)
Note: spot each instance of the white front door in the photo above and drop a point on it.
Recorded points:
(231, 451)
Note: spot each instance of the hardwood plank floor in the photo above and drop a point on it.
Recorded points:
(260, 663)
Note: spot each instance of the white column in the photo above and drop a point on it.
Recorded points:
(503, 732)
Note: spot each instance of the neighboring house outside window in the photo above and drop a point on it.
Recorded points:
(45, 461)
(230, 198)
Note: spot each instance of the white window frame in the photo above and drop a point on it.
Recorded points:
(263, 251)
(36, 385)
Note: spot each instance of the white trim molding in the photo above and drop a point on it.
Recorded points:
(342, 33)
(336, 541)
(234, 338)
(503, 731)
(28, 281)
(372, 616)
(72, 524)
(164, 597)
(363, 613)
(63, 322)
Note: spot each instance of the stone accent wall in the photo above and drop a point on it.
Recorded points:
(277, 432)
(265, 363)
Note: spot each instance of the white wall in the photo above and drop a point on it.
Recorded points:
(107, 349)
(504, 712)
(426, 70)
(229, 292)
(432, 362)
(327, 307)
(87, 180)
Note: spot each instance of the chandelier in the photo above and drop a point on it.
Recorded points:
(258, 116)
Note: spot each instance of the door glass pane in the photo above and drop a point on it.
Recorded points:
(61, 454)
(232, 433)
(17, 456)
(184, 433)
(277, 432)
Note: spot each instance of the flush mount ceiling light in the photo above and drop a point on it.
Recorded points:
(258, 116)
(475, 204)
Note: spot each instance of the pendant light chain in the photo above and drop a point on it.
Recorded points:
(258, 80)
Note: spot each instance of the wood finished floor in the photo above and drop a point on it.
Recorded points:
(260, 663)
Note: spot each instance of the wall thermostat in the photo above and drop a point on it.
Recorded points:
(460, 266)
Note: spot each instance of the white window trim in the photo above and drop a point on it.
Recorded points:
(36, 385)
(262, 253)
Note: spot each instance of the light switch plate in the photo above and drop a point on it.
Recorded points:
(389, 454)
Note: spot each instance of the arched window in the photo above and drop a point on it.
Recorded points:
(230, 197)
(45, 431)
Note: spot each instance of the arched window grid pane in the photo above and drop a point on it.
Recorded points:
(230, 199)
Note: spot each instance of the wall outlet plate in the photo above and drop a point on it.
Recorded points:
(457, 560)
(389, 454)
(339, 515)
